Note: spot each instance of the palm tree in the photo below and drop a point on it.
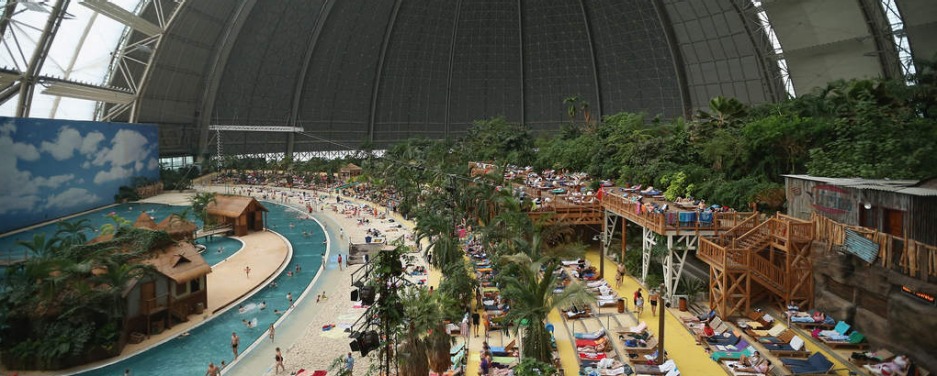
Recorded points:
(200, 205)
(530, 291)
(40, 247)
(426, 344)
(73, 232)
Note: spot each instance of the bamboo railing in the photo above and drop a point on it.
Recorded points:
(899, 254)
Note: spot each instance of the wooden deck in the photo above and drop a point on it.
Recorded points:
(669, 222)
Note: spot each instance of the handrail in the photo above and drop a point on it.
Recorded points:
(766, 270)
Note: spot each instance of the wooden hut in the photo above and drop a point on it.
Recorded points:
(349, 171)
(177, 289)
(177, 227)
(243, 214)
(901, 208)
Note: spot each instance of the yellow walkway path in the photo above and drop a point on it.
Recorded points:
(680, 345)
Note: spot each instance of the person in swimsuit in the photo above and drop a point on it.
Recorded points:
(235, 341)
(279, 360)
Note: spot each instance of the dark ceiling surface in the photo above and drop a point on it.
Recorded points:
(365, 71)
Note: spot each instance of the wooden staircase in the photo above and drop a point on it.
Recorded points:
(773, 254)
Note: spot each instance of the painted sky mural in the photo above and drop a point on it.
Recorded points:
(52, 168)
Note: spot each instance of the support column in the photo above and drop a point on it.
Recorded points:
(675, 260)
(647, 242)
(624, 238)
(608, 229)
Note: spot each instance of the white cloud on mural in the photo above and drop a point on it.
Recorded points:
(127, 147)
(70, 198)
(70, 140)
(115, 173)
(152, 164)
(21, 188)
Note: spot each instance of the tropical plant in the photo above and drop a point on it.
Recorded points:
(200, 203)
(530, 290)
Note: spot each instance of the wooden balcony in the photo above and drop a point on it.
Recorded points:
(672, 221)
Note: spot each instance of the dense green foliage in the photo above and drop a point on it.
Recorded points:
(731, 154)
(65, 304)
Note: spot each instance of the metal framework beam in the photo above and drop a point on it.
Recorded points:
(675, 260)
(43, 44)
(648, 241)
(116, 13)
(87, 92)
(254, 128)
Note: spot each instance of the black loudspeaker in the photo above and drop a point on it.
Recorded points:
(369, 341)
(367, 295)
(354, 345)
(354, 295)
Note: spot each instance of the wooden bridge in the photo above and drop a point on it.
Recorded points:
(209, 231)
(753, 260)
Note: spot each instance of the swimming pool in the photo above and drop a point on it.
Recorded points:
(210, 342)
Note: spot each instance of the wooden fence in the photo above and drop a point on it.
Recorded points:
(900, 254)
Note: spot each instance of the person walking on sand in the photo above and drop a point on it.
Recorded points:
(272, 331)
(247, 270)
(349, 364)
(339, 261)
(235, 341)
(279, 360)
(620, 275)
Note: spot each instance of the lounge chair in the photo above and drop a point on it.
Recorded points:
(640, 347)
(768, 336)
(805, 320)
(647, 369)
(734, 365)
(793, 348)
(637, 329)
(590, 335)
(503, 351)
(704, 317)
(815, 364)
(853, 340)
(724, 339)
(733, 351)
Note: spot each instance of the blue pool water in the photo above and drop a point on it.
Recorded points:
(210, 342)
(218, 248)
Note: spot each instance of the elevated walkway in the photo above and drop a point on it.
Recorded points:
(680, 225)
(753, 260)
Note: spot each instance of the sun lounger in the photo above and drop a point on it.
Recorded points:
(815, 364)
(853, 340)
(772, 335)
(734, 365)
(723, 339)
(591, 335)
(637, 329)
(503, 351)
(805, 320)
(591, 342)
(647, 369)
(732, 351)
(704, 317)
(793, 349)
(640, 347)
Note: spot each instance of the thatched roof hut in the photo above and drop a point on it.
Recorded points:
(243, 213)
(145, 221)
(177, 227)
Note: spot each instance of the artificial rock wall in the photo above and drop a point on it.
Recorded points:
(870, 298)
